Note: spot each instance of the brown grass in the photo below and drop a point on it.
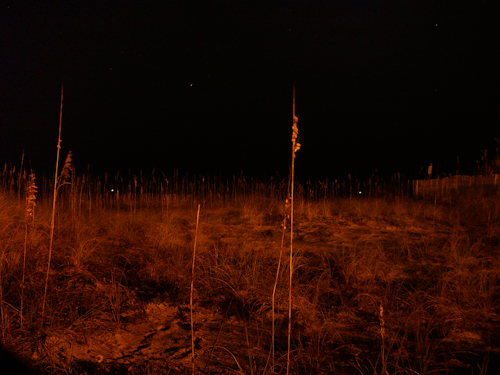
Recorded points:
(118, 295)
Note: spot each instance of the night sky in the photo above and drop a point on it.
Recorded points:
(206, 87)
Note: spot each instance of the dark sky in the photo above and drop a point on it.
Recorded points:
(206, 87)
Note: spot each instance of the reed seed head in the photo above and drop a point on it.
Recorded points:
(31, 197)
(295, 135)
(65, 173)
(382, 322)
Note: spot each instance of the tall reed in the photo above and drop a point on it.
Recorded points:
(191, 294)
(273, 297)
(53, 208)
(295, 148)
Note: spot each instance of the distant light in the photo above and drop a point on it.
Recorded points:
(112, 190)
(436, 24)
(191, 85)
(359, 193)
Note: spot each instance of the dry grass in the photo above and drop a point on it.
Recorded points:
(120, 281)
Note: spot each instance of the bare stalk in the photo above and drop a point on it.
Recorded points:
(273, 297)
(382, 335)
(53, 208)
(1, 302)
(191, 297)
(295, 148)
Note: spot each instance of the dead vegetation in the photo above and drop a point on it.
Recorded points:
(386, 283)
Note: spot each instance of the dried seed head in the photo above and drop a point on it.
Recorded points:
(66, 168)
(382, 322)
(31, 197)
(295, 135)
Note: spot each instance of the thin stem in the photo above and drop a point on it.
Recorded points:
(295, 148)
(273, 297)
(24, 271)
(191, 297)
(53, 208)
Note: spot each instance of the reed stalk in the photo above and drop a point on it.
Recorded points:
(382, 336)
(273, 297)
(295, 148)
(191, 294)
(53, 209)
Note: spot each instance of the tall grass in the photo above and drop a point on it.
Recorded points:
(434, 280)
(383, 282)
(295, 148)
(58, 181)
